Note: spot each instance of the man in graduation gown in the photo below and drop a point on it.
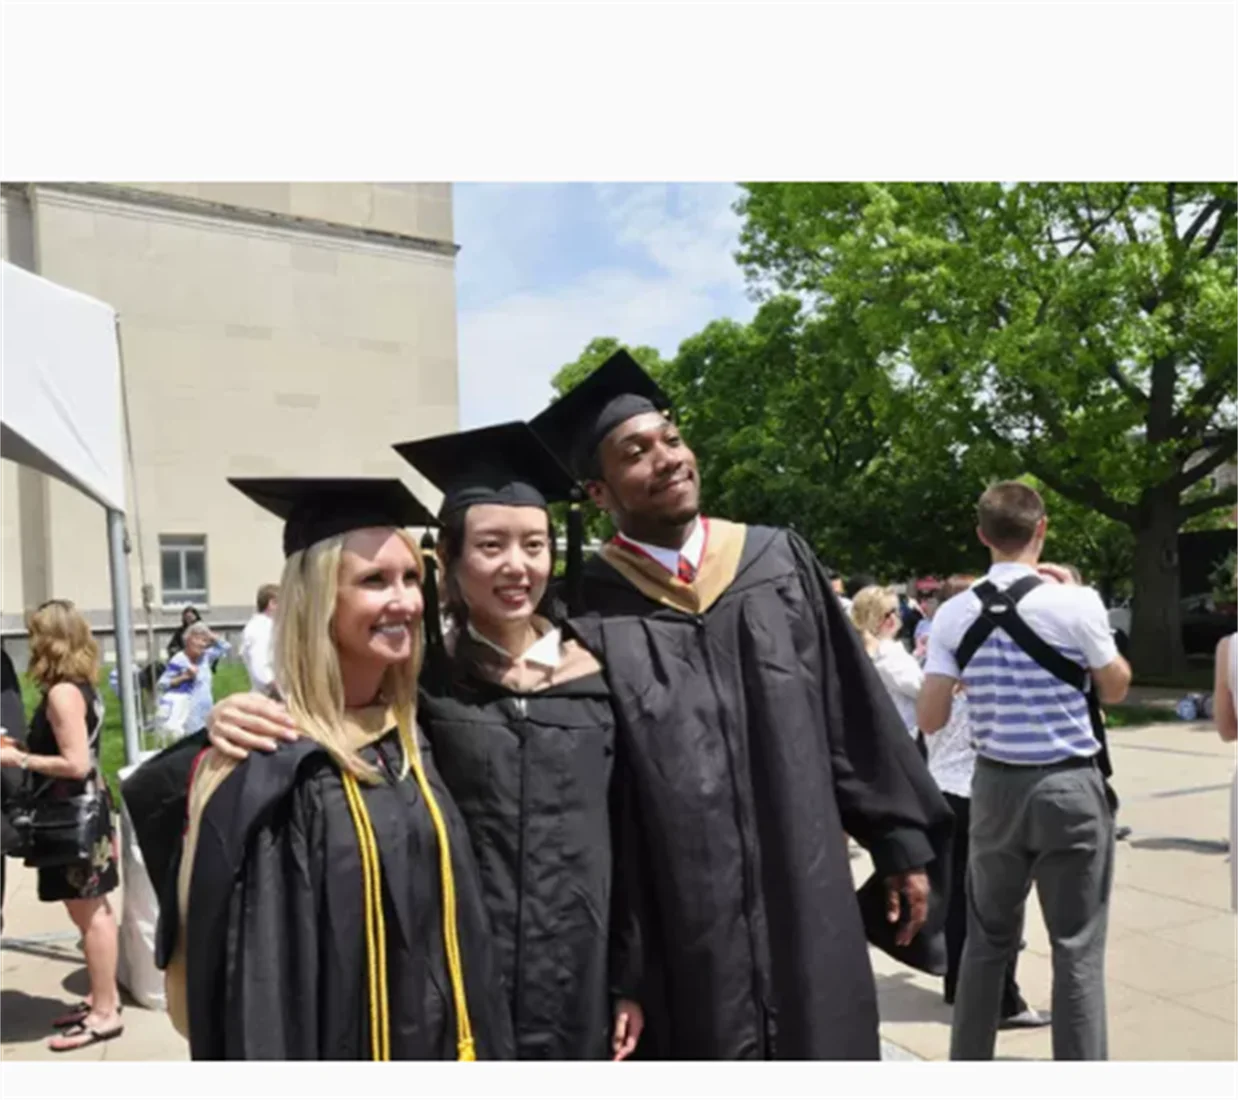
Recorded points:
(758, 738)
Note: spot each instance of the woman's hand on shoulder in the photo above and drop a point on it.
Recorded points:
(248, 722)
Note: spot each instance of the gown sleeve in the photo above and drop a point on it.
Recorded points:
(887, 798)
(273, 950)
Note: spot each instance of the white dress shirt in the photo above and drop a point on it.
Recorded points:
(546, 651)
(902, 675)
(693, 549)
(257, 643)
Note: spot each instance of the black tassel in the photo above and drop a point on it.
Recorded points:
(574, 566)
(431, 617)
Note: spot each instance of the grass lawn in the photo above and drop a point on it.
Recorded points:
(1118, 715)
(230, 677)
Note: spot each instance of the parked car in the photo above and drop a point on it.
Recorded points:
(1204, 623)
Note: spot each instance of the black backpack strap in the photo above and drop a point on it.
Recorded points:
(999, 609)
(995, 605)
(1033, 644)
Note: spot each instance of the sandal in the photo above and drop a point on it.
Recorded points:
(89, 1036)
(76, 1015)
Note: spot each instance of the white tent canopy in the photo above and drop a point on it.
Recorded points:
(61, 389)
(60, 412)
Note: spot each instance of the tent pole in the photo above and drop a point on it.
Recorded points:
(122, 631)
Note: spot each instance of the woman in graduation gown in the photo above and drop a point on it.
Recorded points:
(330, 906)
(522, 728)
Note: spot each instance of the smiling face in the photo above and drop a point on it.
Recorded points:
(379, 605)
(504, 563)
(649, 475)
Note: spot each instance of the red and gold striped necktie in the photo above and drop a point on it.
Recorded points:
(686, 573)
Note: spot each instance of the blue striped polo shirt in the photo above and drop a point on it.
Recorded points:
(1020, 713)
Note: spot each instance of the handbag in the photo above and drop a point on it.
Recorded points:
(173, 713)
(57, 831)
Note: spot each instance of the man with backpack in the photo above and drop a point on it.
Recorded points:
(1036, 656)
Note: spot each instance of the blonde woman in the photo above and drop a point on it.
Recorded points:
(875, 614)
(329, 901)
(61, 759)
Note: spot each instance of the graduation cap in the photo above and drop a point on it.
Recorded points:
(505, 464)
(577, 422)
(314, 509)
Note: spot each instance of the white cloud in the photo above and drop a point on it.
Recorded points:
(680, 277)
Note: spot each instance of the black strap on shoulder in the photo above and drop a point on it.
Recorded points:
(995, 606)
(998, 609)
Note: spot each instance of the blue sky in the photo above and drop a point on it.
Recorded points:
(543, 268)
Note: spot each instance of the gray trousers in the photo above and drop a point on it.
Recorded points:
(1053, 827)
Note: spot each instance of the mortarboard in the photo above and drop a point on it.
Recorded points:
(314, 509)
(505, 464)
(577, 422)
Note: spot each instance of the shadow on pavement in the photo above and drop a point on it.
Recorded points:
(24, 1018)
(39, 951)
(902, 1001)
(1182, 844)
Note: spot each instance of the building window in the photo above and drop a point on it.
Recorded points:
(182, 566)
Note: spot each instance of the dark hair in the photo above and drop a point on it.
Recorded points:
(266, 594)
(955, 584)
(858, 581)
(1008, 513)
(190, 610)
(451, 543)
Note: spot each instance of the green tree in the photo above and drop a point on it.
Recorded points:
(1087, 332)
(795, 425)
(596, 353)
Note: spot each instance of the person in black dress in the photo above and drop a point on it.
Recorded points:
(176, 643)
(61, 760)
(329, 905)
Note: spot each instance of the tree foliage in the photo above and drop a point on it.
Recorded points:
(1085, 333)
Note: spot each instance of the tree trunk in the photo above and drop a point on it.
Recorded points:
(1156, 616)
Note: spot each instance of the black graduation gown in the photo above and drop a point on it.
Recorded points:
(276, 962)
(530, 772)
(758, 737)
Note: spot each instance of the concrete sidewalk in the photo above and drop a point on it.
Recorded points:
(1171, 963)
(1172, 978)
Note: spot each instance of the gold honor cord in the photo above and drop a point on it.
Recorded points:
(465, 1046)
(375, 930)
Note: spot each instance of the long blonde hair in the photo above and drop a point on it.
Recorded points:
(307, 666)
(869, 609)
(62, 647)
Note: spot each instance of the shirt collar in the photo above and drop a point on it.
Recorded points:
(693, 549)
(545, 651)
(1008, 570)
